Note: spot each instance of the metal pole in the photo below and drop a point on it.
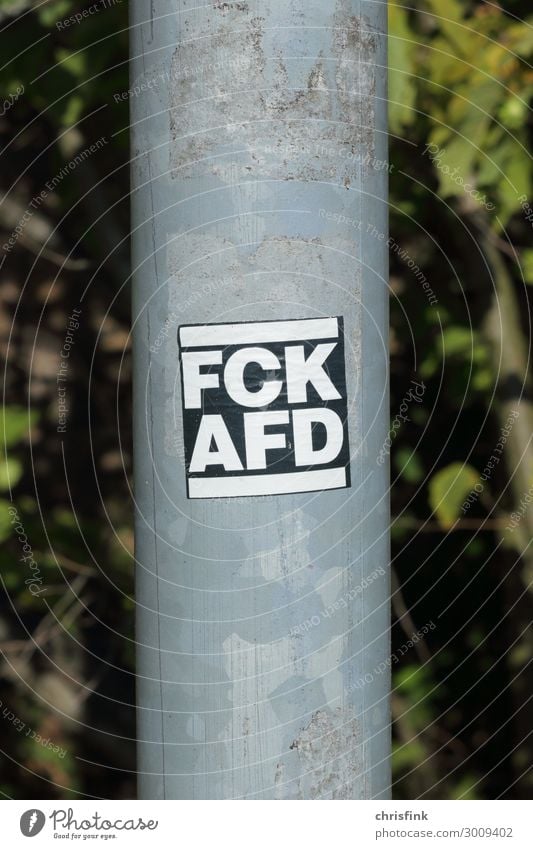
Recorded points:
(259, 184)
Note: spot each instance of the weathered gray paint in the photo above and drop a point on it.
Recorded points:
(257, 127)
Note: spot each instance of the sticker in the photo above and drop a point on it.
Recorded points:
(264, 407)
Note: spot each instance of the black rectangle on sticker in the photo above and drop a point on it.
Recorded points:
(264, 407)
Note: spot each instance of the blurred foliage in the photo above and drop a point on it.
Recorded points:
(460, 93)
(460, 87)
(448, 489)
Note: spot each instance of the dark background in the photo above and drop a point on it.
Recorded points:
(460, 83)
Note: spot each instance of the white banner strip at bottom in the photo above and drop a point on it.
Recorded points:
(263, 824)
(226, 487)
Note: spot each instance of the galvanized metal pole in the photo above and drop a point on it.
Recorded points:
(259, 183)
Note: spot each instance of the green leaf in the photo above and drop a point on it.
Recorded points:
(10, 472)
(448, 489)
(409, 465)
(526, 263)
(452, 11)
(405, 755)
(74, 64)
(50, 13)
(5, 520)
(402, 90)
(513, 113)
(14, 425)
(466, 788)
(73, 109)
(414, 684)
(522, 37)
(458, 341)
(517, 182)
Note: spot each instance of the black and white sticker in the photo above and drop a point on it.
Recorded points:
(264, 407)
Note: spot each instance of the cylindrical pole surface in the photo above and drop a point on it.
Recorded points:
(261, 403)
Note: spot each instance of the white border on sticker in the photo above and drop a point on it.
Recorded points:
(256, 332)
(285, 484)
